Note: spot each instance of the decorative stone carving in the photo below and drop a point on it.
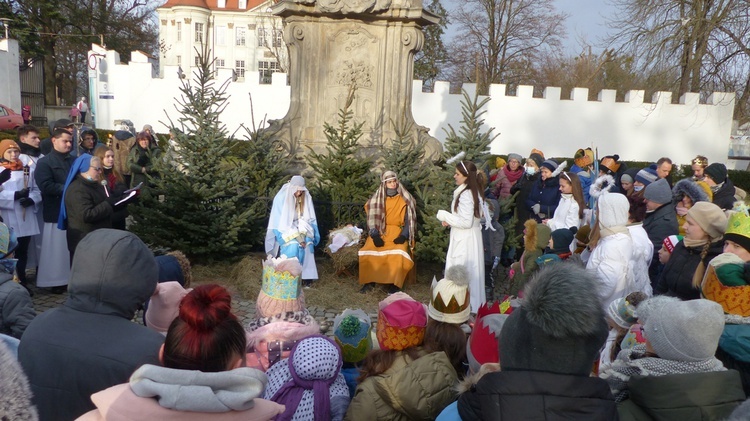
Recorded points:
(173, 22)
(335, 45)
(230, 25)
(164, 22)
(188, 20)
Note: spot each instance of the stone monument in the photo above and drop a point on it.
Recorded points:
(335, 45)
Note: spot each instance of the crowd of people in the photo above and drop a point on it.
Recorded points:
(632, 303)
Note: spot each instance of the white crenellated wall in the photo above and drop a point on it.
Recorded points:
(634, 129)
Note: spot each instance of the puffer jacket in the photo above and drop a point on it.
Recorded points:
(677, 277)
(523, 187)
(545, 193)
(536, 395)
(683, 397)
(410, 390)
(16, 308)
(90, 343)
(724, 197)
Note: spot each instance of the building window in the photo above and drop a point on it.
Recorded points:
(219, 62)
(222, 4)
(240, 36)
(243, 4)
(199, 32)
(221, 35)
(266, 69)
(197, 61)
(261, 37)
(179, 31)
(277, 40)
(239, 68)
(179, 60)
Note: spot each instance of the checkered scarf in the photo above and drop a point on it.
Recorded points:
(376, 207)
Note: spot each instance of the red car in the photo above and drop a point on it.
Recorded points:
(9, 119)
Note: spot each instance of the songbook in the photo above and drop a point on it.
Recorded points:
(126, 197)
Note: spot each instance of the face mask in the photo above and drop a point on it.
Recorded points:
(638, 188)
(530, 170)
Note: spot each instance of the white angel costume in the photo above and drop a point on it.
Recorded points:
(293, 227)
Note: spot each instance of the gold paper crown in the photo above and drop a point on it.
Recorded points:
(739, 222)
(452, 307)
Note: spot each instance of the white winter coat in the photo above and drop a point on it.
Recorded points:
(566, 214)
(643, 252)
(466, 243)
(12, 211)
(612, 257)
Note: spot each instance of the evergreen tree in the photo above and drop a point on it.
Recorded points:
(405, 157)
(342, 173)
(205, 209)
(470, 137)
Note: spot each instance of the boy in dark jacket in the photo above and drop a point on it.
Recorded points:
(493, 247)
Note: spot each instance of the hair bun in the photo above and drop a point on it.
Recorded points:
(206, 306)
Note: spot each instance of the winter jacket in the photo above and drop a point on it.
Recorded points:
(523, 187)
(159, 393)
(724, 197)
(503, 185)
(566, 214)
(611, 259)
(677, 277)
(23, 222)
(643, 253)
(537, 395)
(16, 308)
(536, 240)
(659, 224)
(88, 209)
(410, 390)
(90, 343)
(683, 397)
(50, 175)
(116, 189)
(493, 242)
(545, 193)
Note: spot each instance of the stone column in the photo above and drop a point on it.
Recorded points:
(337, 44)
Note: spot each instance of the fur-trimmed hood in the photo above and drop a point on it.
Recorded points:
(536, 236)
(15, 394)
(691, 189)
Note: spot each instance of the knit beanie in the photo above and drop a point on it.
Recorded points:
(561, 239)
(164, 305)
(449, 298)
(351, 330)
(610, 164)
(538, 152)
(582, 236)
(401, 322)
(670, 242)
(6, 144)
(738, 227)
(626, 178)
(500, 162)
(682, 330)
(582, 159)
(658, 192)
(515, 156)
(280, 291)
(543, 334)
(538, 159)
(622, 310)
(710, 218)
(717, 172)
(646, 176)
(550, 165)
(482, 346)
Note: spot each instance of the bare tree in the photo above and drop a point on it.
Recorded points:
(270, 35)
(500, 41)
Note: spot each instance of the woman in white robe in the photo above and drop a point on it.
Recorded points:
(293, 227)
(466, 232)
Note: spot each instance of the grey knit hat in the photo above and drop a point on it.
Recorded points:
(658, 192)
(710, 218)
(560, 325)
(515, 156)
(682, 330)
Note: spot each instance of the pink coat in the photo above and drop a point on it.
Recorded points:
(119, 403)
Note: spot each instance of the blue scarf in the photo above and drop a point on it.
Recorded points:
(81, 165)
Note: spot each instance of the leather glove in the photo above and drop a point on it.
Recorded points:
(26, 202)
(21, 194)
(377, 240)
(142, 160)
(400, 239)
(113, 199)
(4, 175)
(536, 208)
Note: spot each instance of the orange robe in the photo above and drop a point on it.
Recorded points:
(391, 263)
